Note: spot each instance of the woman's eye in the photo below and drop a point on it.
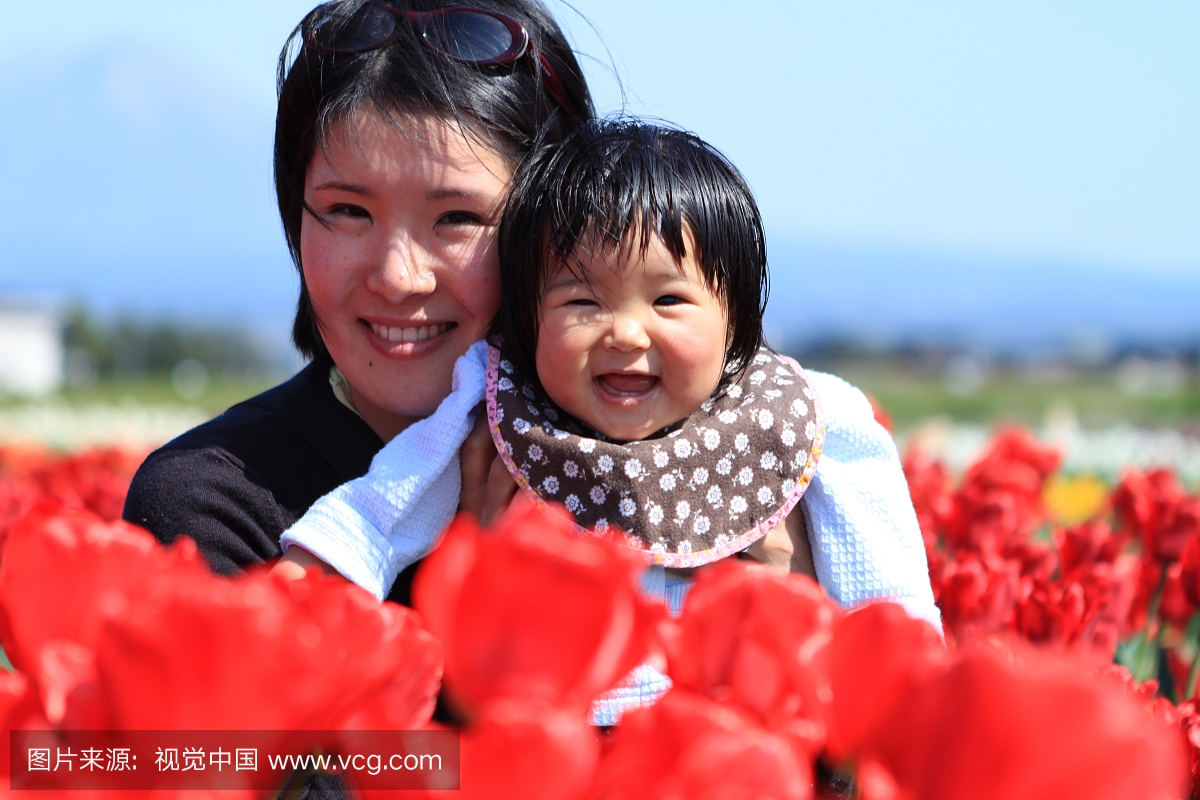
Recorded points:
(460, 218)
(346, 210)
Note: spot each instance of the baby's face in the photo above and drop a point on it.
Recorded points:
(638, 347)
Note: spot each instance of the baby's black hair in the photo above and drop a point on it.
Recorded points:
(615, 183)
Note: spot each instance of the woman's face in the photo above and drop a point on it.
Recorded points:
(399, 256)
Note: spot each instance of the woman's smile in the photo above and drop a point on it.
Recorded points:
(407, 341)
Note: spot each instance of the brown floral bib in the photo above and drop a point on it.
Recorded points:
(711, 487)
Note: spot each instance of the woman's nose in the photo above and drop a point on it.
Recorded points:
(402, 271)
(627, 333)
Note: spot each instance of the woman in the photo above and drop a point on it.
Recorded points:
(397, 132)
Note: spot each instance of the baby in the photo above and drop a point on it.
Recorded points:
(627, 380)
(631, 383)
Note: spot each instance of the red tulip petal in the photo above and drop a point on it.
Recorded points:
(64, 569)
(644, 751)
(759, 640)
(877, 655)
(527, 751)
(533, 611)
(1036, 727)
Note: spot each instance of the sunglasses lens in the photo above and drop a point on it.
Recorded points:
(370, 27)
(470, 36)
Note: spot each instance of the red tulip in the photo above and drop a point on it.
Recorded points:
(687, 746)
(1181, 526)
(267, 654)
(877, 655)
(876, 783)
(118, 632)
(533, 611)
(1015, 461)
(20, 709)
(759, 640)
(1037, 560)
(1189, 727)
(64, 570)
(1189, 574)
(1155, 508)
(1175, 607)
(1000, 499)
(528, 751)
(93, 479)
(1087, 543)
(1051, 613)
(977, 595)
(929, 486)
(1109, 591)
(1007, 725)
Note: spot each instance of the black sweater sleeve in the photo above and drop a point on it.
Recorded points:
(206, 493)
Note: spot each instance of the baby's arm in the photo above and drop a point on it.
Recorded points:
(487, 489)
(371, 528)
(296, 561)
(785, 548)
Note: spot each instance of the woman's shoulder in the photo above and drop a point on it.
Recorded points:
(237, 481)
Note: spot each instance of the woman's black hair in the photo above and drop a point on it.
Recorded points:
(614, 184)
(506, 108)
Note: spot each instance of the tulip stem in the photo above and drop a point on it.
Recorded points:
(1193, 636)
(1146, 646)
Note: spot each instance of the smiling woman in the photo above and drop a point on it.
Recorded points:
(393, 152)
(399, 259)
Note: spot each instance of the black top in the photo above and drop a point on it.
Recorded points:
(237, 482)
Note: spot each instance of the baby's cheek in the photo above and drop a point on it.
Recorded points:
(695, 366)
(560, 369)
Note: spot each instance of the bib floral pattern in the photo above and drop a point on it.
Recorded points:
(711, 487)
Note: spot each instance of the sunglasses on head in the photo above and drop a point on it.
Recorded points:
(472, 36)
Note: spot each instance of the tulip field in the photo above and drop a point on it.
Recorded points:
(1070, 600)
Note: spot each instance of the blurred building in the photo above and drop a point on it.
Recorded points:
(31, 348)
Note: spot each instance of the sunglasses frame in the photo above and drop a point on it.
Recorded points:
(518, 48)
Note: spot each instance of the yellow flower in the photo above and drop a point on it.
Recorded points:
(1071, 499)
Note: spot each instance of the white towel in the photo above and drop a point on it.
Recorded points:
(373, 527)
(866, 541)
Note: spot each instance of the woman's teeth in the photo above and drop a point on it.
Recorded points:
(419, 334)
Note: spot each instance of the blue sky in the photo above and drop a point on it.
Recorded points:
(980, 131)
(1044, 129)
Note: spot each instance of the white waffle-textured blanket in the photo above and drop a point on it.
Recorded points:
(865, 540)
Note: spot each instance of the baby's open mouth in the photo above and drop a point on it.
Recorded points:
(626, 385)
